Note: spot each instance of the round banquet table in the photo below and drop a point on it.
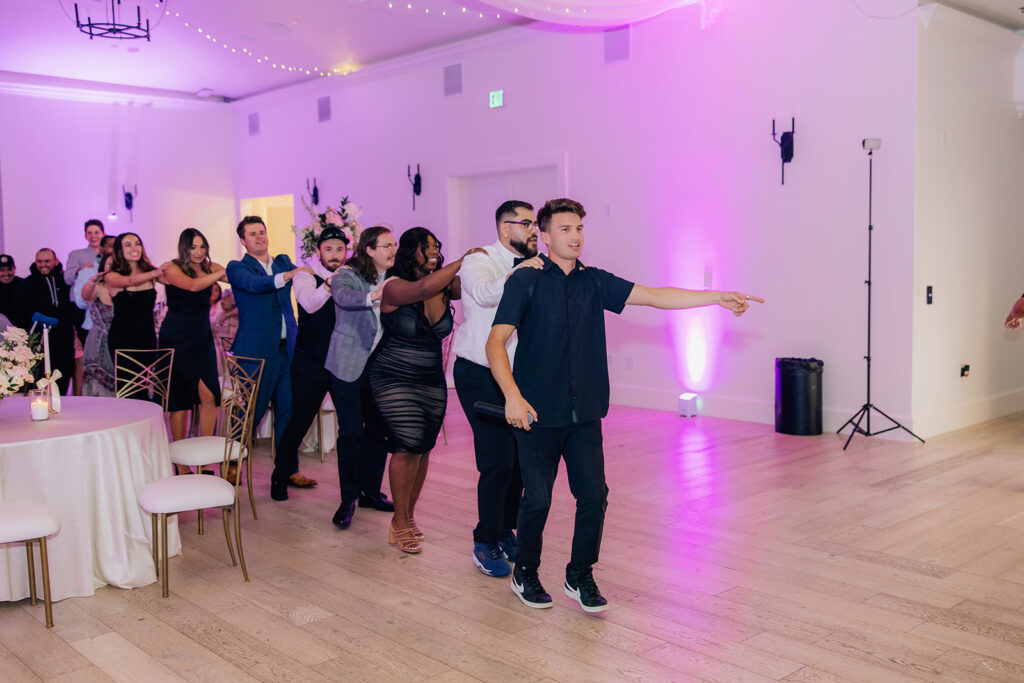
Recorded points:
(89, 463)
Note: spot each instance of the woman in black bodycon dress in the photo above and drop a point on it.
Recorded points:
(186, 329)
(406, 374)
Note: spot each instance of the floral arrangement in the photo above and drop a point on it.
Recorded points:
(344, 216)
(17, 359)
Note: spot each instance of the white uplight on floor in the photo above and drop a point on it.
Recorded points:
(688, 404)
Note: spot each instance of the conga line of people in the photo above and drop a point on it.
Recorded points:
(372, 318)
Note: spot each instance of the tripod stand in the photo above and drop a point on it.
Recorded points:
(864, 414)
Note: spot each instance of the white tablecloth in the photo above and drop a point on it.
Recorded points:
(89, 462)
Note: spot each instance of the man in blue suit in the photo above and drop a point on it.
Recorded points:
(266, 321)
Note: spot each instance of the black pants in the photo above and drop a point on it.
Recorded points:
(362, 447)
(581, 446)
(500, 485)
(310, 383)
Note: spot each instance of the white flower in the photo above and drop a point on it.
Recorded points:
(15, 335)
(353, 212)
(23, 354)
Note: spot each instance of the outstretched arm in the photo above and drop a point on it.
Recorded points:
(516, 407)
(400, 292)
(135, 279)
(1013, 320)
(674, 298)
(174, 275)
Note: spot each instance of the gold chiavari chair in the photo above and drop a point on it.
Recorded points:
(143, 374)
(181, 493)
(200, 451)
(246, 375)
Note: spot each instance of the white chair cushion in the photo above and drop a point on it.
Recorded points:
(186, 492)
(27, 521)
(201, 450)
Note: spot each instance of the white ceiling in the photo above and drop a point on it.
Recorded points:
(1008, 13)
(39, 37)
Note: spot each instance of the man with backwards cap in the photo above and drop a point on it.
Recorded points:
(310, 380)
(9, 283)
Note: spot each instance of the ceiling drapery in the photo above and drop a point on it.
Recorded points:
(595, 13)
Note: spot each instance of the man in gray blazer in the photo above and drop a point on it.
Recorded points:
(362, 450)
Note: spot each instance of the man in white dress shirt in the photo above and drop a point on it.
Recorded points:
(499, 487)
(310, 380)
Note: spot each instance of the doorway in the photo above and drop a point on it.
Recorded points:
(474, 194)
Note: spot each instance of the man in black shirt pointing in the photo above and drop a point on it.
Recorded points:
(559, 392)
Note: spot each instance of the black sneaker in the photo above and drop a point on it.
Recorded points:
(580, 586)
(509, 545)
(526, 585)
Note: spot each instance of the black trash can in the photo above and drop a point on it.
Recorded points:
(798, 396)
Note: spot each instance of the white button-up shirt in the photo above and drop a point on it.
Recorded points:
(483, 281)
(309, 296)
(278, 284)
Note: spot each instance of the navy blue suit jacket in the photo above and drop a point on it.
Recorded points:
(260, 306)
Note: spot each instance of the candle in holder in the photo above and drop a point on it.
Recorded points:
(38, 404)
(46, 350)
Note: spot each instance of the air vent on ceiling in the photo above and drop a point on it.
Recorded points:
(323, 109)
(254, 124)
(616, 44)
(453, 79)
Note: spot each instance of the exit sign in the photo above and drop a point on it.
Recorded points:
(497, 99)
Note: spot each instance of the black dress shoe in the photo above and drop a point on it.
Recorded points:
(278, 488)
(343, 517)
(378, 502)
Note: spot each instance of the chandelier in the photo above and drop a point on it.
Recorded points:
(114, 27)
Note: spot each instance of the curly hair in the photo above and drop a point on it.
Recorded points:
(411, 241)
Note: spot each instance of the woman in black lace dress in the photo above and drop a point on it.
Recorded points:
(186, 329)
(406, 374)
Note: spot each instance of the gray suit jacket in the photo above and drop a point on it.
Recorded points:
(355, 326)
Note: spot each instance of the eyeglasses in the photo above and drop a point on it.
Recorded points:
(525, 224)
(387, 246)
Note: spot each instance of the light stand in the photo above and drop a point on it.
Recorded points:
(864, 413)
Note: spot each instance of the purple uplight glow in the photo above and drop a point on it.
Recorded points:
(696, 352)
(695, 333)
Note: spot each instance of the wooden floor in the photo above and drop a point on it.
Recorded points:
(731, 553)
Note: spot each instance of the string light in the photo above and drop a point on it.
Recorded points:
(412, 9)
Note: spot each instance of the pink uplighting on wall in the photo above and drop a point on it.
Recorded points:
(695, 333)
(696, 354)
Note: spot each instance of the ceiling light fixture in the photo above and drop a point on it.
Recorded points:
(113, 25)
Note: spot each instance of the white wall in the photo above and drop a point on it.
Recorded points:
(969, 208)
(60, 159)
(671, 153)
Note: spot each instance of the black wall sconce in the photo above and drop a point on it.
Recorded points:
(314, 192)
(785, 143)
(416, 182)
(129, 200)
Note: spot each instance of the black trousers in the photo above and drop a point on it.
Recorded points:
(362, 446)
(500, 485)
(310, 383)
(581, 446)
